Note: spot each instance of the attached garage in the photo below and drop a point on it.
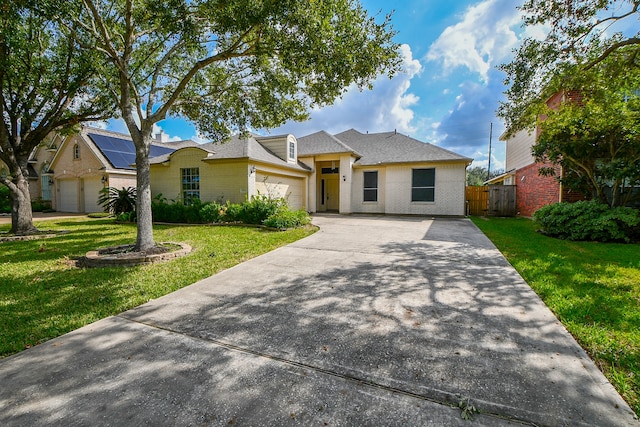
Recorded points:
(67, 195)
(91, 193)
(292, 189)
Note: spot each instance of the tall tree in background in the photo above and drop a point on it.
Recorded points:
(478, 175)
(44, 78)
(594, 133)
(578, 32)
(228, 66)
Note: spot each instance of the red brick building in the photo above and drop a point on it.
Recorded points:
(534, 191)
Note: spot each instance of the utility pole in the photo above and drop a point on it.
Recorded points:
(489, 166)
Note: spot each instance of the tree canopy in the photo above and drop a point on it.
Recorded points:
(228, 66)
(579, 87)
(478, 175)
(578, 32)
(594, 132)
(45, 85)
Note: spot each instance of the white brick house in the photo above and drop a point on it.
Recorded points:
(386, 173)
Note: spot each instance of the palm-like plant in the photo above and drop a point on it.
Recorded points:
(118, 201)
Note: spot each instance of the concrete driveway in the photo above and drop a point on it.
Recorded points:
(370, 321)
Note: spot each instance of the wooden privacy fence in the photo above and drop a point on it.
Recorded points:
(491, 200)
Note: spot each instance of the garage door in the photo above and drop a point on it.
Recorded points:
(92, 187)
(67, 195)
(278, 186)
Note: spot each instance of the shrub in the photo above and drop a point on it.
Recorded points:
(118, 201)
(259, 208)
(589, 220)
(286, 218)
(176, 212)
(212, 212)
(5, 199)
(39, 205)
(232, 212)
(126, 217)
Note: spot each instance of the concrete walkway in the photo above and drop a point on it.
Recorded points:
(370, 321)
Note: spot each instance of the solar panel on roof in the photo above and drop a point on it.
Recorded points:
(120, 152)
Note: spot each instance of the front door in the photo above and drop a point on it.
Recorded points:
(332, 194)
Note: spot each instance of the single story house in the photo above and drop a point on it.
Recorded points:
(349, 172)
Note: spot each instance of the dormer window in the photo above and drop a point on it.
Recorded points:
(76, 151)
(292, 151)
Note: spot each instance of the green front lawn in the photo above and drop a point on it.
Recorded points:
(593, 288)
(43, 295)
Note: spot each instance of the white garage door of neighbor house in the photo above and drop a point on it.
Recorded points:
(92, 189)
(278, 186)
(68, 195)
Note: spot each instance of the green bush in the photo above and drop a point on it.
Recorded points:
(176, 212)
(118, 201)
(286, 218)
(126, 217)
(39, 205)
(589, 220)
(5, 199)
(259, 208)
(232, 212)
(212, 212)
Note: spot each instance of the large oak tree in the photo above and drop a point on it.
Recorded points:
(229, 66)
(45, 86)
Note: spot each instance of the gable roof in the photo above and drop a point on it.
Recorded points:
(393, 147)
(120, 151)
(239, 148)
(322, 143)
(116, 150)
(249, 147)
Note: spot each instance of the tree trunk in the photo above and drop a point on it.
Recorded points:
(21, 214)
(144, 240)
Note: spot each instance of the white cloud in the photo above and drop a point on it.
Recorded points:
(388, 106)
(102, 124)
(484, 36)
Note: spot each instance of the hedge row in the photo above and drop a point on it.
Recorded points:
(589, 220)
(261, 210)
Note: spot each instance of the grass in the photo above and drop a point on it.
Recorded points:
(43, 295)
(593, 289)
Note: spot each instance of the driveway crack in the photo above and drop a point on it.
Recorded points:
(436, 396)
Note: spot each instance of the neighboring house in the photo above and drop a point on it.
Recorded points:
(93, 159)
(40, 181)
(533, 191)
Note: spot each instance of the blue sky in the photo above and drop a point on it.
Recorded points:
(450, 87)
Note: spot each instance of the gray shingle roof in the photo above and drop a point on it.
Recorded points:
(239, 148)
(322, 143)
(393, 147)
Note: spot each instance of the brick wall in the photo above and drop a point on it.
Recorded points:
(534, 191)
